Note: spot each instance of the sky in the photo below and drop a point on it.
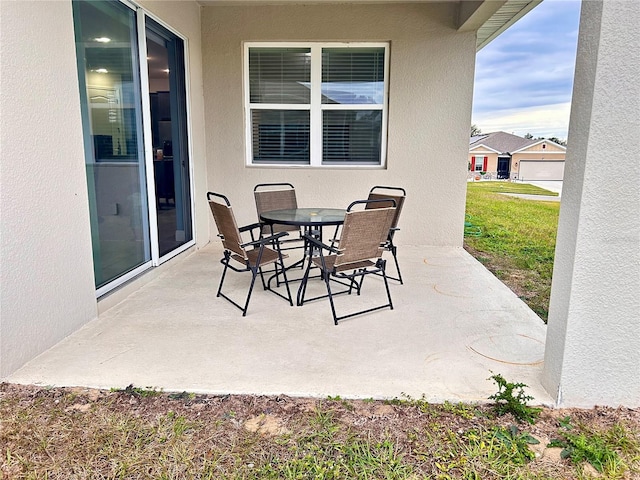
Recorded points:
(524, 78)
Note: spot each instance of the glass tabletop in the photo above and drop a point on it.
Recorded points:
(305, 216)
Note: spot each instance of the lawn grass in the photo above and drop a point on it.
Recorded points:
(517, 238)
(64, 433)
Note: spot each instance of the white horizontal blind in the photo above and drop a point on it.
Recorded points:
(280, 136)
(280, 75)
(335, 116)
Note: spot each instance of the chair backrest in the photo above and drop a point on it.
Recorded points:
(226, 223)
(380, 192)
(275, 196)
(363, 234)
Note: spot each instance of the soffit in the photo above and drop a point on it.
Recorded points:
(508, 14)
(488, 17)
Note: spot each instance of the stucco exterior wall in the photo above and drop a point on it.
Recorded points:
(592, 352)
(492, 159)
(431, 87)
(47, 283)
(548, 147)
(47, 269)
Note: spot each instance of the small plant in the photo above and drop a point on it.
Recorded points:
(463, 410)
(516, 405)
(517, 442)
(138, 391)
(421, 403)
(345, 403)
(182, 396)
(599, 449)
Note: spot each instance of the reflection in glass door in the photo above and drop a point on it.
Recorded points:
(167, 92)
(110, 93)
(131, 228)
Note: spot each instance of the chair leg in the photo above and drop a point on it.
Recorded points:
(395, 258)
(327, 281)
(284, 275)
(254, 274)
(302, 290)
(225, 261)
(383, 265)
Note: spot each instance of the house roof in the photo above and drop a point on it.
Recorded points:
(501, 142)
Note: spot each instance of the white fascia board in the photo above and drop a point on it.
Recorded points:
(487, 149)
(538, 143)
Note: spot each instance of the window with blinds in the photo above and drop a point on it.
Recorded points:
(316, 104)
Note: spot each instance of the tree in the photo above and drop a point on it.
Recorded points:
(528, 136)
(557, 140)
(475, 130)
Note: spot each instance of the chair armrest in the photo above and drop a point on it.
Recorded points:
(265, 240)
(319, 244)
(249, 227)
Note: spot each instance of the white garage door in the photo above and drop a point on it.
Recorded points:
(537, 170)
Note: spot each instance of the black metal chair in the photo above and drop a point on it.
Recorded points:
(397, 194)
(357, 254)
(237, 250)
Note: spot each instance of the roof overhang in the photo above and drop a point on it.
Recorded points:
(483, 149)
(488, 17)
(491, 17)
(544, 140)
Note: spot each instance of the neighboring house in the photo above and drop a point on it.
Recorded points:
(505, 156)
(119, 116)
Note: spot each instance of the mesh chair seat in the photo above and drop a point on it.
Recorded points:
(275, 196)
(330, 260)
(236, 249)
(268, 256)
(398, 195)
(359, 252)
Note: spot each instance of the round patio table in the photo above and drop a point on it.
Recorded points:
(312, 220)
(305, 217)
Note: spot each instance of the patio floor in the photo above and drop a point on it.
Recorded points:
(453, 325)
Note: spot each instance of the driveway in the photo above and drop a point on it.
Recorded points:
(552, 185)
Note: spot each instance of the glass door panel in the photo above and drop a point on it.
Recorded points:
(108, 66)
(165, 59)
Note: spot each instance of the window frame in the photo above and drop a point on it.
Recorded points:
(315, 107)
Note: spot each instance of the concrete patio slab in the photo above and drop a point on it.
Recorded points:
(453, 325)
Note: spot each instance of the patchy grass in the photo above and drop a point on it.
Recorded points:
(518, 238)
(63, 433)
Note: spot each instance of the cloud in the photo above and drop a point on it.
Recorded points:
(529, 68)
(539, 121)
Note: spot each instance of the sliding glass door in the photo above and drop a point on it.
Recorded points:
(165, 56)
(136, 146)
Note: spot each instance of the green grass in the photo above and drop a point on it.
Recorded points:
(517, 239)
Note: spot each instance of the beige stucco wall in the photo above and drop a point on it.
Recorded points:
(492, 159)
(592, 354)
(47, 285)
(431, 87)
(47, 270)
(548, 147)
